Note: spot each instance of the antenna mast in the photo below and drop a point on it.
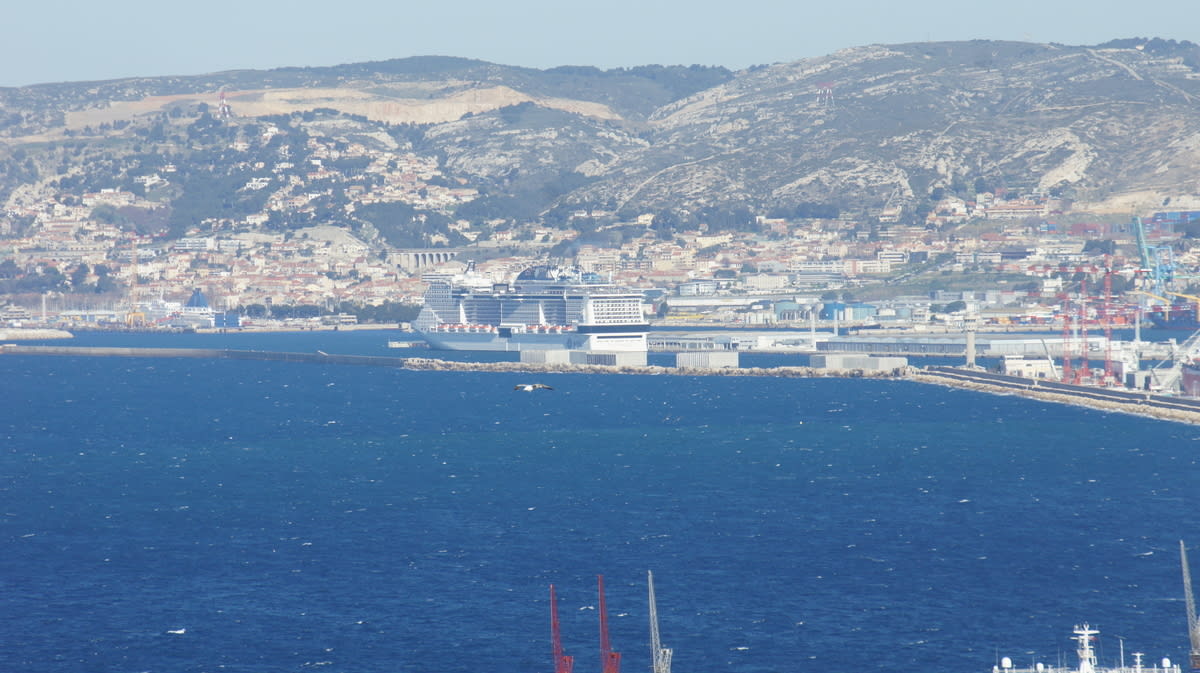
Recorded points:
(1087, 656)
(610, 662)
(660, 657)
(1193, 625)
(562, 663)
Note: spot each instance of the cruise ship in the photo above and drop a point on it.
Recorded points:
(544, 308)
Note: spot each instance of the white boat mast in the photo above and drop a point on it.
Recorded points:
(660, 657)
(1087, 656)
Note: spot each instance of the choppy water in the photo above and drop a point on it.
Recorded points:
(182, 515)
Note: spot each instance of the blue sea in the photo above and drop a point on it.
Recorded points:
(193, 515)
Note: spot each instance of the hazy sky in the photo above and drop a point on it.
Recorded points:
(53, 40)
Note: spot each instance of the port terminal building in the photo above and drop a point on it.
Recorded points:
(986, 345)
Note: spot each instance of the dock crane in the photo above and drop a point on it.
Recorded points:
(1169, 380)
(610, 662)
(562, 662)
(1193, 623)
(1166, 377)
(1158, 261)
(660, 657)
(1190, 347)
(1159, 297)
(1141, 309)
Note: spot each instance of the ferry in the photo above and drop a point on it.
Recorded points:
(543, 308)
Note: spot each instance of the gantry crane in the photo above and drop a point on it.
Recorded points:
(1158, 261)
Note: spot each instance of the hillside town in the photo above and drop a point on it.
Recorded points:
(1002, 257)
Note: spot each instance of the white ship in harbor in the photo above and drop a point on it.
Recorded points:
(1084, 638)
(544, 308)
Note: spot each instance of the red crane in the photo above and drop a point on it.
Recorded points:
(1108, 312)
(1067, 376)
(610, 662)
(1084, 373)
(562, 663)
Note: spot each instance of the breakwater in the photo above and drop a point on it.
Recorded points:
(434, 364)
(1124, 401)
(32, 333)
(1141, 403)
(203, 353)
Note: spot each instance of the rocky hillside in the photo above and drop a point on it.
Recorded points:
(1115, 127)
(1105, 125)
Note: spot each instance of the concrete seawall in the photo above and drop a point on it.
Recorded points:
(31, 333)
(1131, 402)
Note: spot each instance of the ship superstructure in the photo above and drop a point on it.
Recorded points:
(1085, 639)
(544, 308)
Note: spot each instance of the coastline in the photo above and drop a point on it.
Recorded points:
(1144, 407)
(1128, 402)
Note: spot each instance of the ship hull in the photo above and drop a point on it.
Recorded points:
(1189, 380)
(1175, 318)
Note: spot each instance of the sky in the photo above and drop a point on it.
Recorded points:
(56, 41)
